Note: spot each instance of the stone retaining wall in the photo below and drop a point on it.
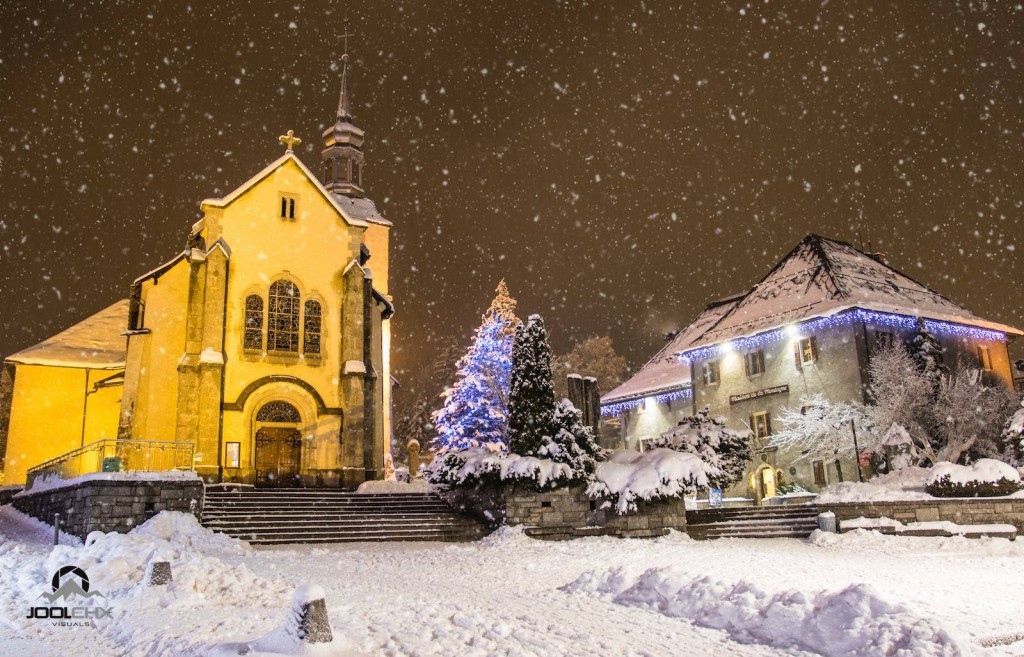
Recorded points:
(565, 513)
(110, 506)
(960, 510)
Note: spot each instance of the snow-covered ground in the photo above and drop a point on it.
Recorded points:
(511, 595)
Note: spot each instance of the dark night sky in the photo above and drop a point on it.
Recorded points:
(620, 164)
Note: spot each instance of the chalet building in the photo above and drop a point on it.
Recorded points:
(807, 327)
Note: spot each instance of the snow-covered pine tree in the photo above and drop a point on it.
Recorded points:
(927, 354)
(475, 410)
(573, 442)
(716, 444)
(531, 403)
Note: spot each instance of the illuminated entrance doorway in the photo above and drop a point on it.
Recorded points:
(764, 482)
(278, 443)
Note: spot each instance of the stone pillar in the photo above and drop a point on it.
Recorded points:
(201, 368)
(352, 375)
(575, 388)
(307, 620)
(591, 404)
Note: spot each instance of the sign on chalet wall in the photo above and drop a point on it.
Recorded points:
(758, 394)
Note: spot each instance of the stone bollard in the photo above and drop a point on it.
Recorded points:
(827, 522)
(307, 620)
(159, 573)
(414, 459)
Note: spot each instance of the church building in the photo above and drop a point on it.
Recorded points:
(808, 327)
(265, 342)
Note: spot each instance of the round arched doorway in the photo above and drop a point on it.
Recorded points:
(278, 444)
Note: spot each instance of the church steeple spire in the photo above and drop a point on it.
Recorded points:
(342, 155)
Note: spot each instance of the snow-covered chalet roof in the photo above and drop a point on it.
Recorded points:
(664, 372)
(822, 277)
(96, 342)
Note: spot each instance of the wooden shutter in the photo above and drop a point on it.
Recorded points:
(768, 423)
(796, 355)
(814, 349)
(746, 363)
(819, 473)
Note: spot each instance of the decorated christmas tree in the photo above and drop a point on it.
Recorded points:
(475, 411)
(531, 407)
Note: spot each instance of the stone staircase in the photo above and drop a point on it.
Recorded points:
(299, 515)
(796, 521)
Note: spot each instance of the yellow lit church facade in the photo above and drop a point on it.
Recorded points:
(265, 342)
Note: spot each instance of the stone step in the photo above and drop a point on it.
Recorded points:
(765, 522)
(315, 516)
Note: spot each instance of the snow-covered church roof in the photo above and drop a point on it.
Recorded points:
(818, 278)
(96, 342)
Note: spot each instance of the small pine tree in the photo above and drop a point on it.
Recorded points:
(531, 406)
(1013, 438)
(713, 442)
(927, 354)
(573, 442)
(475, 410)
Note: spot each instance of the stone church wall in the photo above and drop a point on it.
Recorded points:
(110, 506)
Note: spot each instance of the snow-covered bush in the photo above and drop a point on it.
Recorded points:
(900, 452)
(713, 442)
(480, 466)
(986, 478)
(629, 477)
(1013, 437)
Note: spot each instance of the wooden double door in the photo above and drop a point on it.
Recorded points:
(278, 457)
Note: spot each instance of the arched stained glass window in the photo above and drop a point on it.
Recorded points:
(278, 411)
(283, 317)
(253, 322)
(311, 335)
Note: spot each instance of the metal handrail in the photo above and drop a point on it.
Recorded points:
(112, 454)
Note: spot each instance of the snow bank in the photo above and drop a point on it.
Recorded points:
(983, 471)
(628, 476)
(375, 487)
(200, 564)
(902, 485)
(53, 481)
(453, 468)
(853, 622)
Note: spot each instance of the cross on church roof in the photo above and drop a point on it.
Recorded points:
(290, 141)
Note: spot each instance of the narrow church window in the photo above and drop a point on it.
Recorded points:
(283, 317)
(287, 206)
(253, 338)
(311, 337)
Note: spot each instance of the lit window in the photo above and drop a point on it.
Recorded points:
(985, 358)
(288, 206)
(311, 325)
(253, 338)
(761, 425)
(805, 351)
(710, 372)
(754, 362)
(283, 317)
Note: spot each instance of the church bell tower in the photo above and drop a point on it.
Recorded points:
(342, 156)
